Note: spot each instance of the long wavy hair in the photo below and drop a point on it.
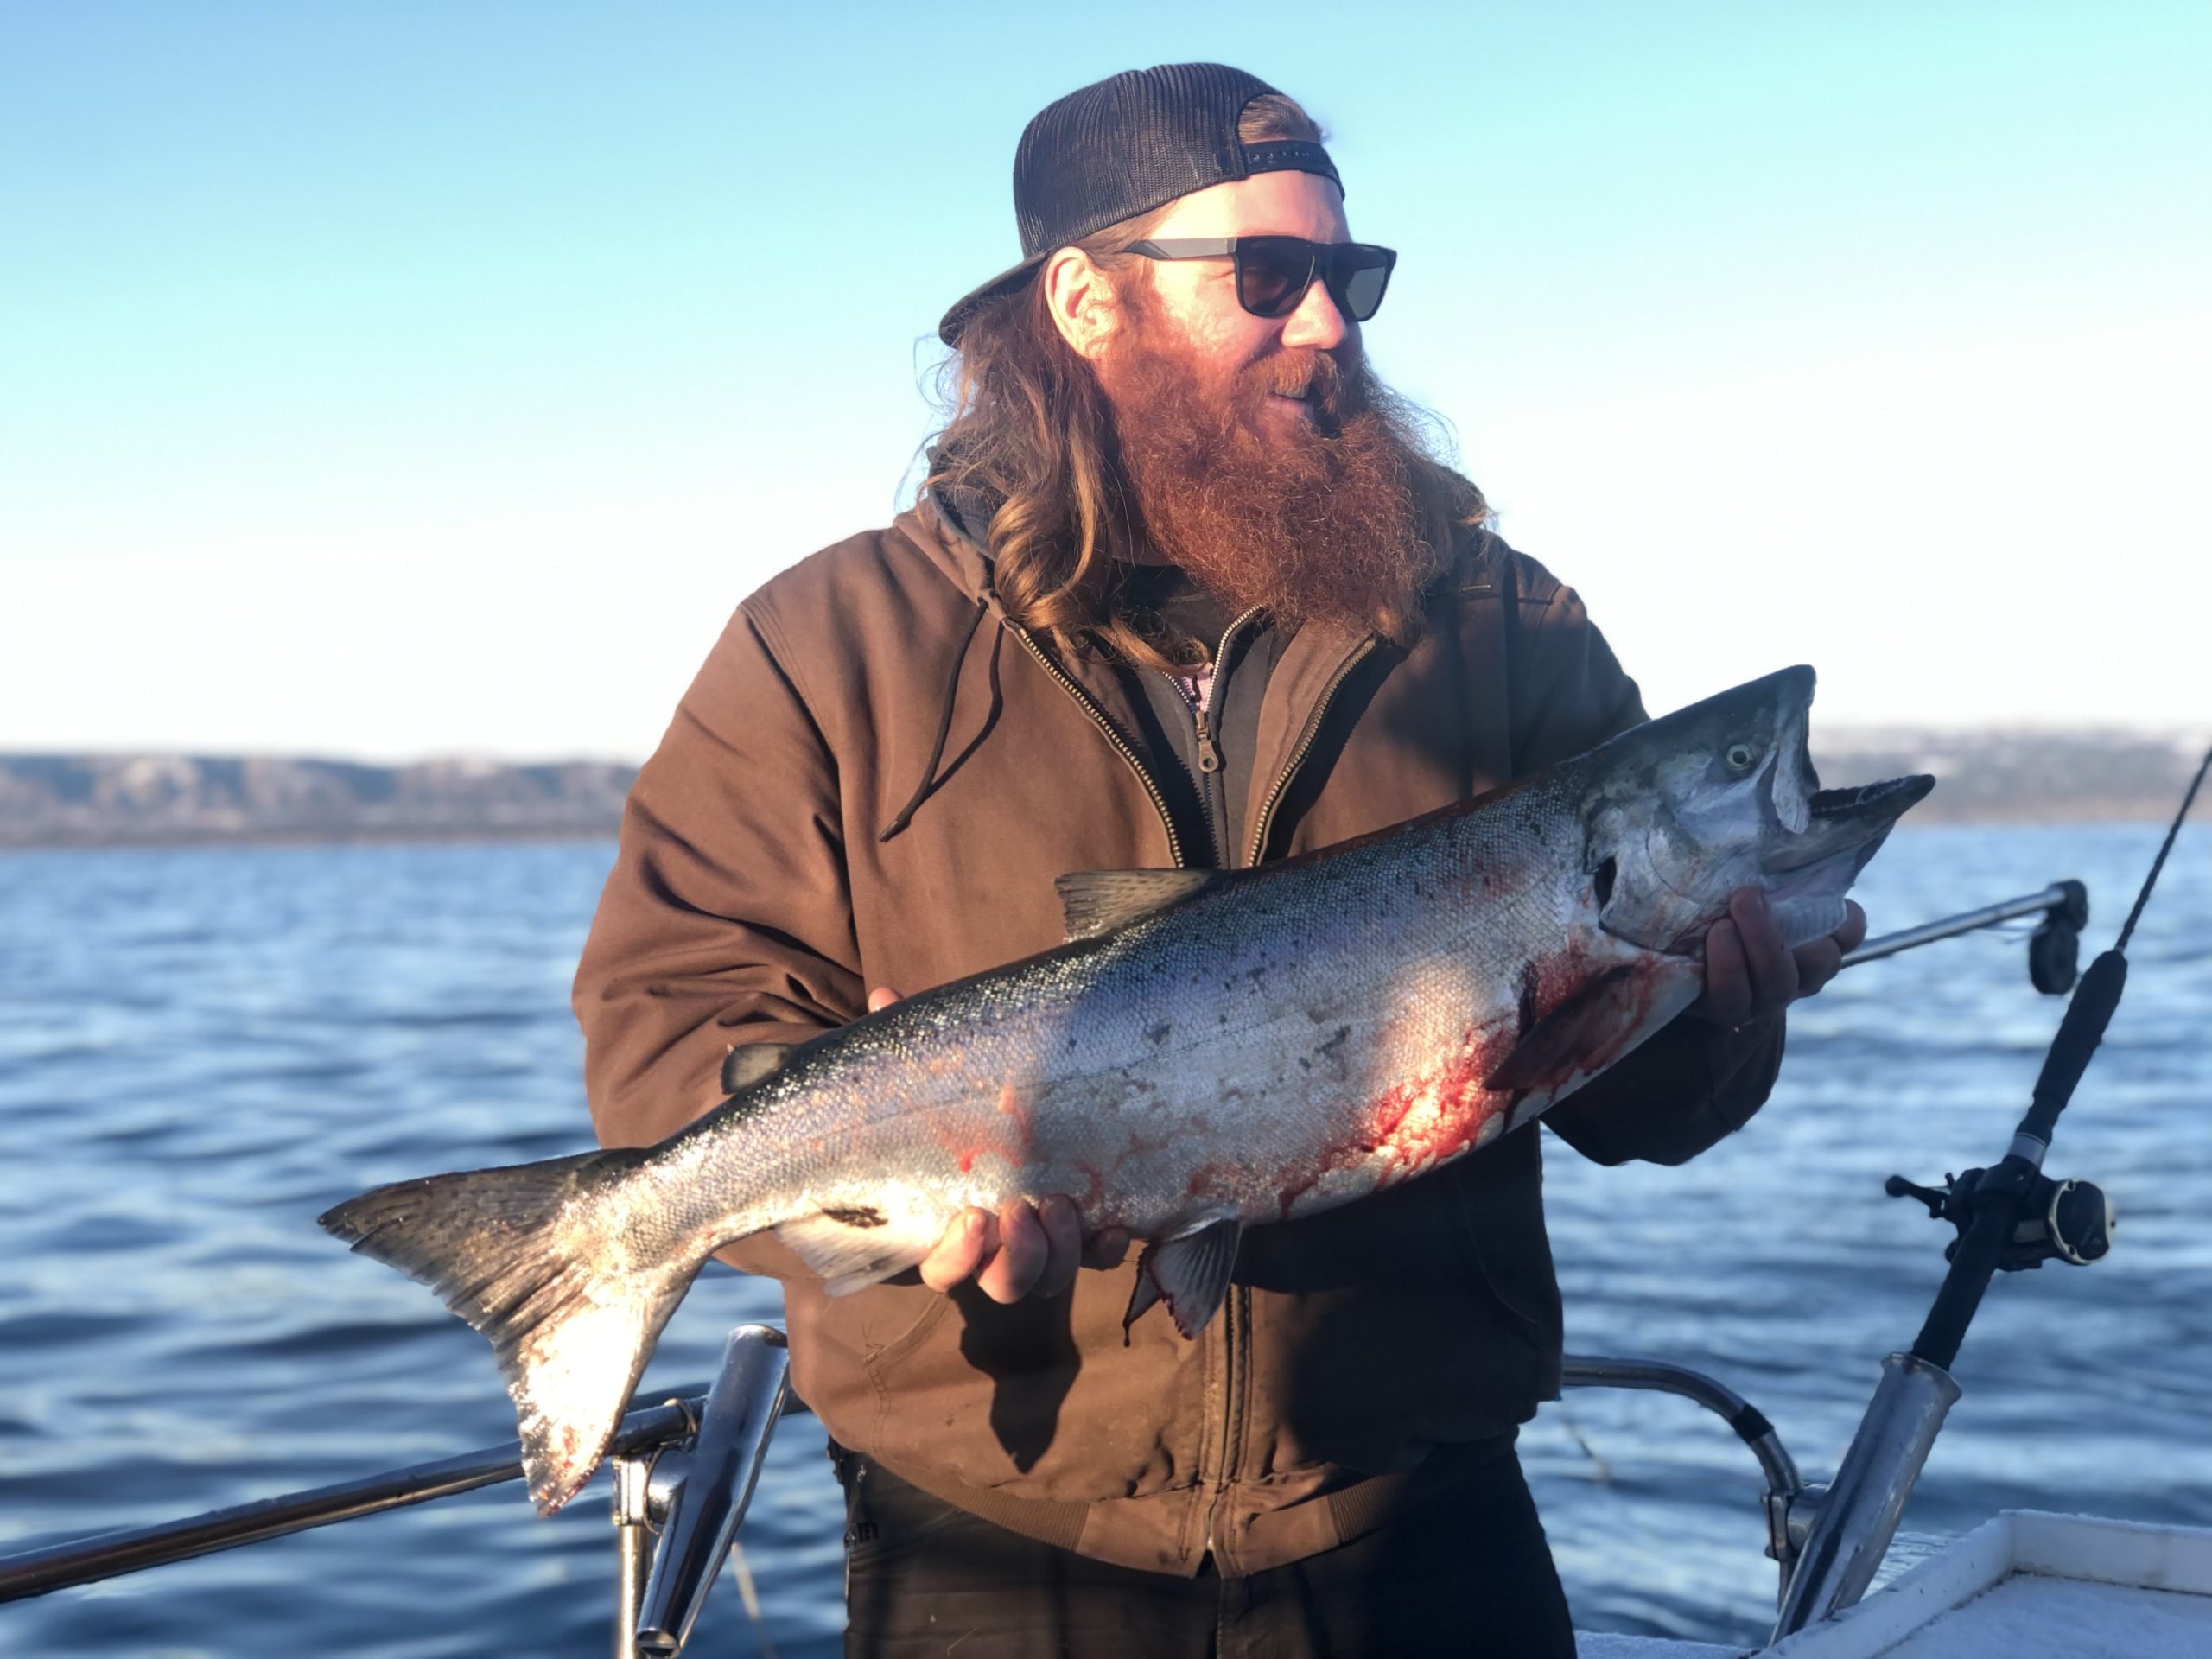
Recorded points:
(1029, 432)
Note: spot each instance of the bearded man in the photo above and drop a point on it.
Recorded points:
(1183, 587)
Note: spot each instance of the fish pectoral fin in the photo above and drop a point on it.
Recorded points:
(1189, 1273)
(854, 1246)
(1585, 1023)
(1098, 901)
(748, 1063)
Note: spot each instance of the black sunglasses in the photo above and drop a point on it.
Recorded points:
(1274, 272)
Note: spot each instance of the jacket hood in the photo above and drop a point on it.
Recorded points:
(940, 533)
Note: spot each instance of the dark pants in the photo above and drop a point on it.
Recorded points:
(1467, 1574)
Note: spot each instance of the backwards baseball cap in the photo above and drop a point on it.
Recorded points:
(1124, 146)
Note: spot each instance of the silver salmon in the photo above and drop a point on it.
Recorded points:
(1209, 1051)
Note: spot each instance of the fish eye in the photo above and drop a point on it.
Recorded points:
(1741, 757)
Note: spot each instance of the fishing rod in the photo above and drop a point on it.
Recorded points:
(2009, 1216)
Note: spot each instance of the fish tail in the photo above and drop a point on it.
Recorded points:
(542, 1259)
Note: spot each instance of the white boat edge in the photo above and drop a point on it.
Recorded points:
(2130, 1555)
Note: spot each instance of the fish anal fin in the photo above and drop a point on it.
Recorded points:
(853, 1246)
(748, 1063)
(1093, 902)
(1587, 1021)
(1189, 1273)
(1142, 1295)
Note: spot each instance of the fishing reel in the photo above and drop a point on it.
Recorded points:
(2055, 947)
(2072, 1220)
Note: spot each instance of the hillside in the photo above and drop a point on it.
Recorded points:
(124, 799)
(77, 800)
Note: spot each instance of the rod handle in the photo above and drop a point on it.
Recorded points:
(2088, 1013)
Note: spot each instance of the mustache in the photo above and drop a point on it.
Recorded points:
(1332, 386)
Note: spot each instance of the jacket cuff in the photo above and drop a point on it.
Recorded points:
(1688, 1087)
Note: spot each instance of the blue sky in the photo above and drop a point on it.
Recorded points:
(401, 380)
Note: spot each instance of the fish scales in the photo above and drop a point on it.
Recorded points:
(1122, 1072)
(1209, 1052)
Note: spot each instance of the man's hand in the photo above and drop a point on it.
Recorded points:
(1750, 975)
(1025, 1249)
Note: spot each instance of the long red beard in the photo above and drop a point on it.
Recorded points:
(1312, 522)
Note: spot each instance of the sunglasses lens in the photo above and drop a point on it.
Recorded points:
(1273, 274)
(1358, 286)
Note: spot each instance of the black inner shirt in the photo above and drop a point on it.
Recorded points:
(1167, 604)
(1202, 760)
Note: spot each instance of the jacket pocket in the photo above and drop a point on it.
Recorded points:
(1042, 1399)
(1377, 1332)
(884, 1344)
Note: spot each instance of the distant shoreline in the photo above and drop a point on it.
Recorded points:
(301, 838)
(278, 840)
(59, 801)
(65, 802)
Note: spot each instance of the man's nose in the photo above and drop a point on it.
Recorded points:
(1316, 322)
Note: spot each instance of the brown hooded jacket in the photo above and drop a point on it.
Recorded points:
(1366, 1357)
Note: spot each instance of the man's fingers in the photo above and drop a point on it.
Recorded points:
(880, 998)
(959, 1253)
(1106, 1247)
(1010, 1275)
(1823, 960)
(1751, 972)
(1766, 954)
(1768, 960)
(1852, 933)
(1817, 963)
(1727, 983)
(1062, 1245)
(1024, 1250)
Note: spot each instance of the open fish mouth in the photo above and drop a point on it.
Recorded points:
(1843, 827)
(1887, 799)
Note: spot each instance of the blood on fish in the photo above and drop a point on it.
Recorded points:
(1565, 975)
(1024, 1119)
(1437, 1115)
(1414, 1124)
(967, 1137)
(1444, 1109)
(1215, 1178)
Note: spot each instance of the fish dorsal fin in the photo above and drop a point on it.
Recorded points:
(1576, 1028)
(748, 1063)
(1098, 901)
(1189, 1273)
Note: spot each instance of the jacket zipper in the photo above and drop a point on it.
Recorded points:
(1203, 723)
(1098, 718)
(1235, 1308)
(1235, 1311)
(1305, 741)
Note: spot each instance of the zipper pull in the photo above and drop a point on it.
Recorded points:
(1209, 756)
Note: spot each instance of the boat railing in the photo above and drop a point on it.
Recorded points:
(683, 1473)
(1787, 1500)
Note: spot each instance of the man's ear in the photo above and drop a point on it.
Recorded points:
(1082, 301)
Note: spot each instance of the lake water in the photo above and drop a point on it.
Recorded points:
(199, 1050)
